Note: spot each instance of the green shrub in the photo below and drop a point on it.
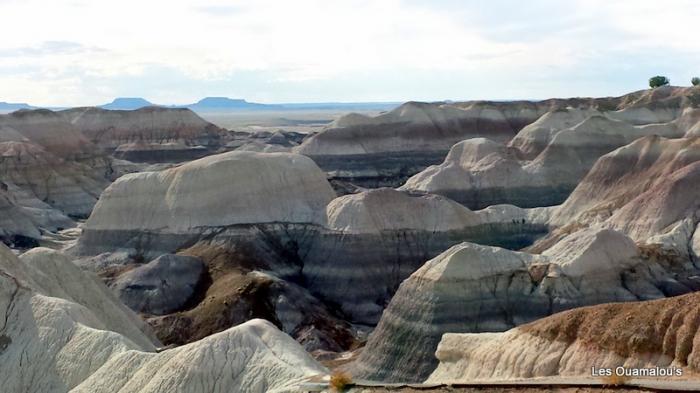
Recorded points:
(658, 81)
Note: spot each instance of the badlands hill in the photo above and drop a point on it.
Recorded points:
(137, 135)
(473, 288)
(658, 333)
(479, 172)
(44, 158)
(65, 331)
(46, 129)
(643, 167)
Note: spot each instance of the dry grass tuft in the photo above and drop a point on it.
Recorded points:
(339, 381)
(616, 380)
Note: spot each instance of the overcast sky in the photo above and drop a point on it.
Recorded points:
(74, 52)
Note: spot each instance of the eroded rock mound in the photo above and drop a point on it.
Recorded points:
(624, 174)
(647, 189)
(23, 218)
(63, 331)
(479, 172)
(69, 186)
(378, 238)
(162, 211)
(45, 157)
(149, 134)
(474, 288)
(651, 334)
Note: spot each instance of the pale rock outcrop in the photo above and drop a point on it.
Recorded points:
(695, 245)
(23, 219)
(604, 250)
(479, 172)
(225, 190)
(65, 331)
(46, 157)
(649, 334)
(647, 189)
(69, 186)
(676, 242)
(252, 357)
(535, 137)
(59, 324)
(389, 210)
(474, 288)
(164, 285)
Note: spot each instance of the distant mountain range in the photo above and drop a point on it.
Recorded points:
(225, 104)
(9, 106)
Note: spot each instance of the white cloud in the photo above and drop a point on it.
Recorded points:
(75, 42)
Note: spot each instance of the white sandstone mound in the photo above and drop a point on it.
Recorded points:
(473, 161)
(60, 324)
(592, 252)
(63, 330)
(252, 357)
(473, 262)
(25, 216)
(479, 172)
(647, 190)
(535, 137)
(216, 191)
(633, 335)
(386, 209)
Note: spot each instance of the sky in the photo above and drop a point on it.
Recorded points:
(74, 52)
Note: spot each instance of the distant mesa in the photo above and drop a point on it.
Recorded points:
(11, 106)
(225, 103)
(127, 103)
